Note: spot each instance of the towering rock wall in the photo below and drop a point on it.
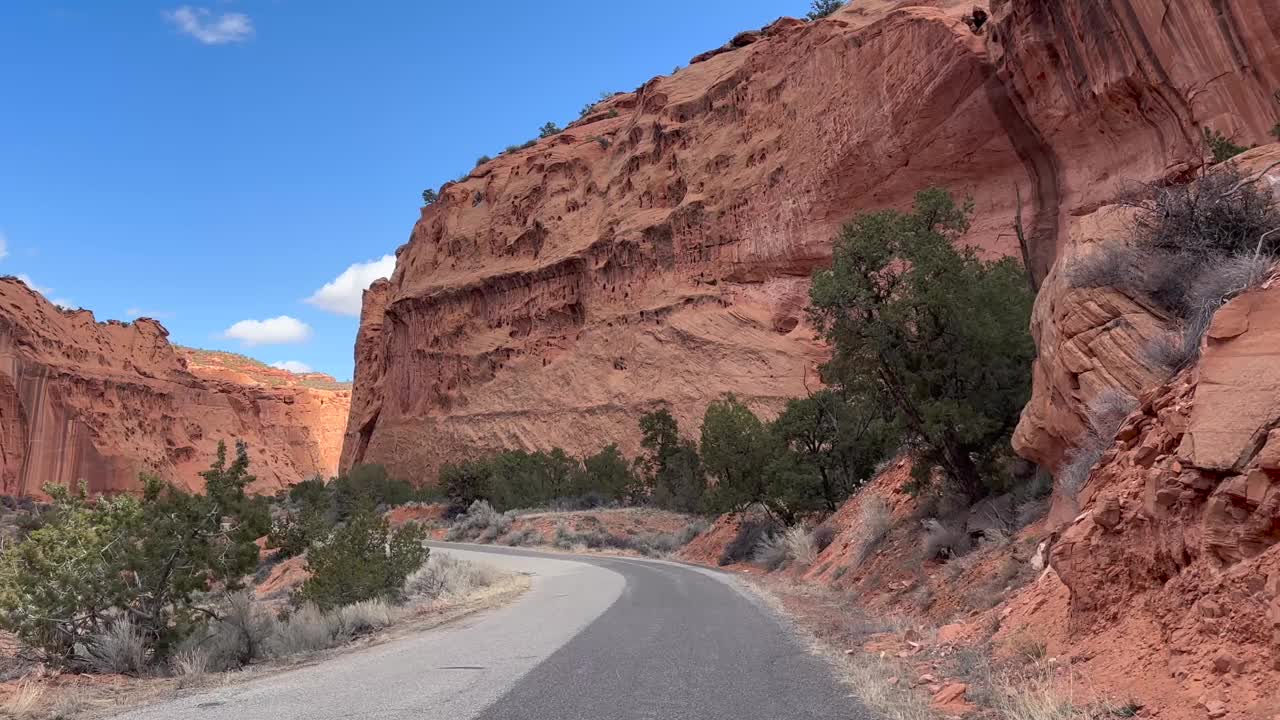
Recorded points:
(658, 250)
(83, 401)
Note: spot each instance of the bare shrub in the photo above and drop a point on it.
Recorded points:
(870, 677)
(447, 576)
(655, 544)
(923, 597)
(68, 705)
(959, 566)
(24, 701)
(1034, 695)
(1031, 510)
(691, 531)
(1222, 213)
(191, 664)
(823, 536)
(243, 629)
(800, 547)
(120, 648)
(564, 538)
(943, 541)
(743, 546)
(876, 521)
(366, 616)
(1104, 416)
(308, 629)
(1168, 351)
(1109, 266)
(480, 522)
(772, 552)
(522, 538)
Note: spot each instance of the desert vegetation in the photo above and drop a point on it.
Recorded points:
(162, 584)
(1191, 248)
(931, 361)
(821, 8)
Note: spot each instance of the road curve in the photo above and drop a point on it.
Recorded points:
(595, 638)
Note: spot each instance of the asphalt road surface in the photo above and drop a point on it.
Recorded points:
(595, 638)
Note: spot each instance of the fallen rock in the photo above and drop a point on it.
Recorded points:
(951, 699)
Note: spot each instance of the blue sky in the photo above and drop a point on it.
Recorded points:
(216, 165)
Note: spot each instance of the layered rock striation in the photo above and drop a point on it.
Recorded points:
(98, 403)
(658, 250)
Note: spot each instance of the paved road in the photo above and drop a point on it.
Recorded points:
(595, 638)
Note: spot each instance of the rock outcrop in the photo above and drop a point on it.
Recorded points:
(83, 401)
(658, 250)
(1091, 340)
(1180, 532)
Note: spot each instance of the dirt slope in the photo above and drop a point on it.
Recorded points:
(658, 250)
(84, 401)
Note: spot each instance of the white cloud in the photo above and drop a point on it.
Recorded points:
(63, 303)
(32, 284)
(293, 366)
(134, 313)
(4, 246)
(275, 331)
(201, 24)
(342, 296)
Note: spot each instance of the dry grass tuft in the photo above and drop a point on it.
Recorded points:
(118, 649)
(307, 630)
(446, 576)
(1035, 693)
(1105, 415)
(25, 701)
(800, 546)
(771, 552)
(190, 666)
(876, 521)
(868, 676)
(367, 616)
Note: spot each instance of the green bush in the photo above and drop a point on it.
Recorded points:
(1220, 146)
(607, 474)
(429, 197)
(465, 483)
(669, 473)
(736, 449)
(293, 532)
(147, 558)
(369, 484)
(936, 335)
(548, 130)
(362, 560)
(751, 532)
(827, 446)
(821, 8)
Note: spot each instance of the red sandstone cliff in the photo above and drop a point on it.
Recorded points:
(658, 250)
(99, 402)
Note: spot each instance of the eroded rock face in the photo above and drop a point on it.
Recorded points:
(1091, 340)
(83, 401)
(658, 250)
(1181, 521)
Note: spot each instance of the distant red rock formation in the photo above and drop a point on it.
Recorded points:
(83, 401)
(658, 250)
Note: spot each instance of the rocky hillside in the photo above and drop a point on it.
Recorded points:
(98, 402)
(658, 250)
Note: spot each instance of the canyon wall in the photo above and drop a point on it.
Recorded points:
(657, 251)
(83, 401)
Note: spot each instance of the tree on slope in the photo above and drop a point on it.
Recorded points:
(821, 8)
(940, 335)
